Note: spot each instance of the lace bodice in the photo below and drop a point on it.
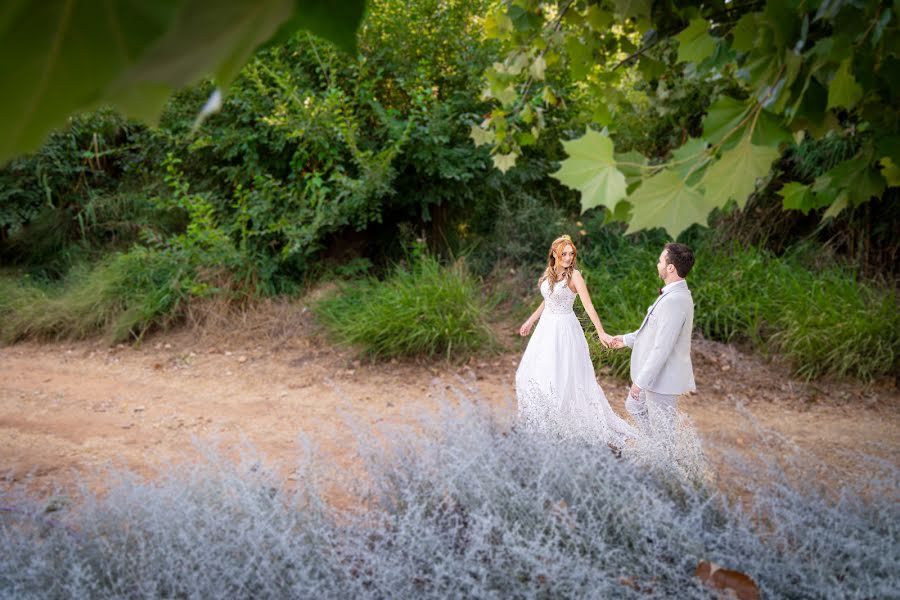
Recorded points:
(560, 302)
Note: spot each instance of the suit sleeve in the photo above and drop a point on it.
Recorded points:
(669, 328)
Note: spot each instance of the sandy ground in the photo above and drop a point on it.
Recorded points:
(69, 409)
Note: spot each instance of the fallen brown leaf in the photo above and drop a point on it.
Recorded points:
(714, 576)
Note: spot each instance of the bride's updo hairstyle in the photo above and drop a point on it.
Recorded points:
(556, 248)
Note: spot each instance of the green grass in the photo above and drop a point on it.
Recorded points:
(119, 298)
(426, 310)
(824, 322)
(833, 324)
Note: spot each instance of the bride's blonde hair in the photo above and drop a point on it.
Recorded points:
(550, 273)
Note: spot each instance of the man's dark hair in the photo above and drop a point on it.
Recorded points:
(681, 256)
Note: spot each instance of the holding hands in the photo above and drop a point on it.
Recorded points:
(614, 342)
(606, 339)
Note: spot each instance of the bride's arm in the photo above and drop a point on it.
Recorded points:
(525, 329)
(582, 290)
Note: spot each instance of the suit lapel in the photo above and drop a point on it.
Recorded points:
(680, 288)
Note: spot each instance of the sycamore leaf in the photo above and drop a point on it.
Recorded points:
(861, 181)
(507, 96)
(690, 159)
(796, 196)
(538, 67)
(591, 169)
(523, 19)
(890, 171)
(722, 119)
(598, 19)
(61, 58)
(694, 43)
(628, 9)
(631, 164)
(839, 204)
(481, 136)
(735, 174)
(769, 131)
(505, 162)
(843, 89)
(622, 212)
(580, 55)
(745, 32)
(548, 96)
(497, 23)
(664, 200)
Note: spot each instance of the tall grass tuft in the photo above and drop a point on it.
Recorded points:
(120, 298)
(835, 324)
(422, 309)
(825, 322)
(459, 506)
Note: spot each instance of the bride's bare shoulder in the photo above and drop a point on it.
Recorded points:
(577, 280)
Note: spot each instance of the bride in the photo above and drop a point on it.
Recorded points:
(556, 389)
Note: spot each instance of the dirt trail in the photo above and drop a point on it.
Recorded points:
(68, 408)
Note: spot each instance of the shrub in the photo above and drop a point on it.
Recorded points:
(458, 506)
(421, 309)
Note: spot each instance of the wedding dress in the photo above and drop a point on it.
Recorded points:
(556, 389)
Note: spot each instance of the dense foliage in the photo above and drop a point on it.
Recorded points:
(321, 165)
(775, 72)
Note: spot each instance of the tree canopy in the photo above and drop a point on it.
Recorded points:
(777, 71)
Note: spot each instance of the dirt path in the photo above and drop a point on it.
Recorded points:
(68, 408)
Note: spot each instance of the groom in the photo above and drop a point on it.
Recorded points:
(661, 347)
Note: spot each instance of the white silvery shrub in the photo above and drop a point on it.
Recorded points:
(458, 505)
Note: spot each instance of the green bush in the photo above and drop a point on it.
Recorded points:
(423, 309)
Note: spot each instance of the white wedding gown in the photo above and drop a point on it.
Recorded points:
(556, 389)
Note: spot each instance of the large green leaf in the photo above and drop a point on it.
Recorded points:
(664, 200)
(857, 176)
(797, 196)
(735, 174)
(481, 136)
(843, 89)
(690, 160)
(591, 169)
(694, 43)
(60, 57)
(632, 164)
(504, 162)
(633, 8)
(333, 21)
(722, 119)
(769, 131)
(890, 171)
(745, 32)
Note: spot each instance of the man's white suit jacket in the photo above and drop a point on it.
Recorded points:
(661, 347)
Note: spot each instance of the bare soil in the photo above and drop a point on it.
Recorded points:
(68, 409)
